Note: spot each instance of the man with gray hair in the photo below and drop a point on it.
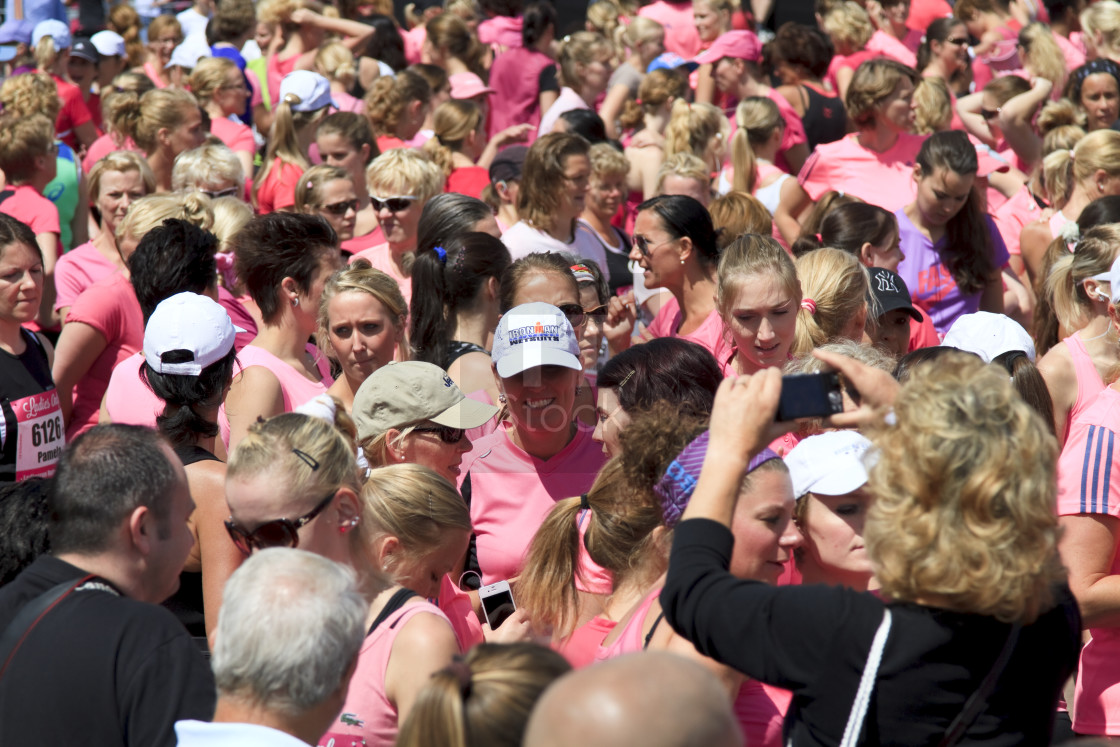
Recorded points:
(287, 642)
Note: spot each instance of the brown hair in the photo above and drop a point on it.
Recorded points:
(388, 97)
(542, 177)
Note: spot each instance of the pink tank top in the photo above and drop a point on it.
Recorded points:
(1089, 382)
(582, 646)
(368, 718)
(1057, 222)
(759, 716)
(295, 387)
(632, 639)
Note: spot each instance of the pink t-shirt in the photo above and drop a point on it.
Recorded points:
(681, 36)
(792, 135)
(850, 61)
(567, 101)
(512, 493)
(237, 136)
(1085, 486)
(128, 399)
(240, 316)
(276, 69)
(278, 190)
(925, 12)
(77, 270)
(381, 259)
(501, 31)
(1074, 53)
(348, 103)
(105, 145)
(27, 205)
(294, 386)
(456, 604)
(367, 714)
(515, 78)
(367, 241)
(709, 333)
(884, 179)
(1014, 214)
(886, 45)
(111, 308)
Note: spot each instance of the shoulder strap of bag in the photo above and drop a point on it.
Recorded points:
(980, 698)
(32, 613)
(854, 727)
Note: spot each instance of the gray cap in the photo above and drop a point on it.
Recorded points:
(400, 394)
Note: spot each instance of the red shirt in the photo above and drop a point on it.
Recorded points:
(468, 180)
(74, 112)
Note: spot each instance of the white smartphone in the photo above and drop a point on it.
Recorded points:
(497, 603)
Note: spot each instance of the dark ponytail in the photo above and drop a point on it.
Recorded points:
(849, 227)
(180, 422)
(938, 31)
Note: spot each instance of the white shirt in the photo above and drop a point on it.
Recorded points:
(203, 734)
(565, 102)
(522, 240)
(192, 22)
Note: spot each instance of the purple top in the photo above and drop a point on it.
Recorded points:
(932, 287)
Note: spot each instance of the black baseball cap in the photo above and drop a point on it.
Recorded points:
(84, 48)
(507, 165)
(890, 292)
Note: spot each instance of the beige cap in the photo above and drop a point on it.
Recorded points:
(400, 394)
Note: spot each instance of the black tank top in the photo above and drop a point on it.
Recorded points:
(31, 430)
(825, 119)
(456, 349)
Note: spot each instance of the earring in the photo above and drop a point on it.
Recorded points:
(347, 526)
(682, 260)
(502, 398)
(579, 388)
(295, 302)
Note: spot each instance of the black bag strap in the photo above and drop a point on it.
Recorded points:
(395, 603)
(32, 613)
(980, 698)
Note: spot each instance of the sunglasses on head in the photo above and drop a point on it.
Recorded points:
(213, 195)
(275, 533)
(446, 433)
(340, 208)
(393, 204)
(989, 113)
(575, 314)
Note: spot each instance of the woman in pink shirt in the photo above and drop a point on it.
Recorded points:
(296, 465)
(164, 34)
(345, 140)
(164, 122)
(284, 260)
(116, 181)
(126, 87)
(675, 245)
(944, 50)
(219, 85)
(877, 162)
(584, 64)
(524, 78)
(328, 192)
(850, 29)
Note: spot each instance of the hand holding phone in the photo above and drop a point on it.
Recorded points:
(815, 395)
(497, 603)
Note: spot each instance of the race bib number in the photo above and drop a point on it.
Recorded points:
(40, 435)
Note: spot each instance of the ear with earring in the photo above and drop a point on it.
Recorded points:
(348, 525)
(502, 398)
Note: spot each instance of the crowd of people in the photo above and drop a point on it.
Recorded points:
(711, 373)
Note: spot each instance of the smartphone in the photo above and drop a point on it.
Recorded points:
(497, 603)
(810, 396)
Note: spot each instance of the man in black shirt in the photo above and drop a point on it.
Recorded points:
(105, 665)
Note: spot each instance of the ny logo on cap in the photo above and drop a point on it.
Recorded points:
(886, 283)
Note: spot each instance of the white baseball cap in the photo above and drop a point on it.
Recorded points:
(189, 52)
(531, 335)
(190, 322)
(988, 335)
(56, 30)
(109, 44)
(312, 90)
(828, 464)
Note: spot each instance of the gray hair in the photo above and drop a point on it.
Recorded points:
(210, 166)
(290, 627)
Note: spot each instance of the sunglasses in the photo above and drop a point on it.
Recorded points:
(446, 433)
(989, 113)
(959, 41)
(340, 208)
(275, 533)
(229, 192)
(597, 312)
(647, 248)
(392, 204)
(575, 314)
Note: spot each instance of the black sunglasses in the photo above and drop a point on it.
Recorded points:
(340, 208)
(275, 533)
(392, 204)
(598, 311)
(989, 113)
(446, 433)
(575, 314)
(959, 41)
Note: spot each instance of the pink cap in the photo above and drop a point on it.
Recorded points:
(988, 161)
(467, 85)
(743, 45)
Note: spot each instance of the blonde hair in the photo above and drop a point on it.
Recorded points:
(46, 53)
(122, 161)
(23, 138)
(453, 121)
(125, 21)
(449, 31)
(335, 61)
(209, 76)
(1042, 54)
(403, 171)
(640, 29)
(757, 118)
(230, 216)
(606, 160)
(360, 277)
(1102, 20)
(118, 99)
(949, 521)
(692, 129)
(749, 256)
(210, 166)
(848, 25)
(839, 287)
(31, 93)
(933, 111)
(872, 82)
(309, 189)
(283, 138)
(158, 109)
(580, 48)
(738, 213)
(684, 165)
(1093, 255)
(151, 211)
(411, 503)
(165, 22)
(271, 446)
(657, 88)
(389, 96)
(1062, 169)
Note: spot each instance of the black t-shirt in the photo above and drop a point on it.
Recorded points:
(547, 80)
(31, 430)
(99, 669)
(814, 641)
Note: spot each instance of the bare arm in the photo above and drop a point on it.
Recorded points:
(217, 555)
(425, 645)
(255, 392)
(79, 346)
(796, 157)
(794, 201)
(968, 109)
(1034, 240)
(1087, 546)
(48, 245)
(705, 85)
(991, 298)
(612, 107)
(1057, 371)
(1015, 120)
